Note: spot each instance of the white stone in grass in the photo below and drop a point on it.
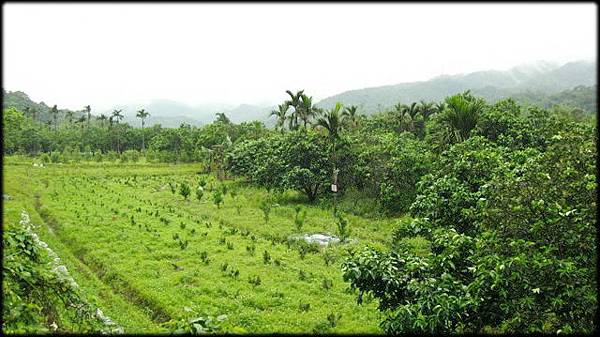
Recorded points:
(321, 239)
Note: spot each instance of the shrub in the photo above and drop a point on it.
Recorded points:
(45, 158)
(184, 190)
(55, 157)
(265, 207)
(299, 217)
(217, 198)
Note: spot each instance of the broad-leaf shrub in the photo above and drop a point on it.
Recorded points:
(512, 240)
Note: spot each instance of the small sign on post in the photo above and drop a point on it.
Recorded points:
(333, 188)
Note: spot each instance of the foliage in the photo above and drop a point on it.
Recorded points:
(184, 190)
(511, 234)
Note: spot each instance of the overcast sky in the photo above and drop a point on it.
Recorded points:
(103, 54)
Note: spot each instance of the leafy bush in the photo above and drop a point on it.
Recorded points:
(217, 198)
(511, 236)
(184, 190)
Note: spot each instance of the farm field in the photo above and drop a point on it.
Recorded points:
(146, 255)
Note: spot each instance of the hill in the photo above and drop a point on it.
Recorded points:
(540, 78)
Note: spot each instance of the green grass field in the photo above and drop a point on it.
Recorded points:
(146, 255)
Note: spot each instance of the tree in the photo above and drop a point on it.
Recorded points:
(142, 114)
(307, 159)
(116, 116)
(34, 114)
(54, 113)
(102, 118)
(510, 229)
(81, 120)
(350, 116)
(294, 102)
(221, 117)
(331, 121)
(88, 111)
(306, 109)
(426, 109)
(281, 116)
(461, 114)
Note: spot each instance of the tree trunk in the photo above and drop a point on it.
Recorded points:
(143, 145)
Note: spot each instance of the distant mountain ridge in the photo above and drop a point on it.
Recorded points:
(539, 83)
(543, 77)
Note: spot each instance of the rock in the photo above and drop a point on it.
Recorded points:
(321, 239)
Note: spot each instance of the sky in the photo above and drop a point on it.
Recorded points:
(109, 54)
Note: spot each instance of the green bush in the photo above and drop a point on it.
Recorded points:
(511, 236)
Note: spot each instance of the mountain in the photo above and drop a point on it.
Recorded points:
(21, 101)
(539, 83)
(168, 113)
(171, 113)
(543, 78)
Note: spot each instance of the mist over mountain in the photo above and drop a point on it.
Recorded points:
(171, 113)
(539, 83)
(541, 77)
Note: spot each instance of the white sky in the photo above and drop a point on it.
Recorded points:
(107, 54)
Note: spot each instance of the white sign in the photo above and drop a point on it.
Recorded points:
(333, 187)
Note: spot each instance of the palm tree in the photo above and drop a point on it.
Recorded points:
(440, 107)
(88, 110)
(294, 102)
(400, 112)
(412, 110)
(116, 115)
(461, 114)
(307, 109)
(81, 120)
(331, 121)
(142, 114)
(426, 109)
(221, 117)
(102, 118)
(280, 113)
(350, 116)
(54, 112)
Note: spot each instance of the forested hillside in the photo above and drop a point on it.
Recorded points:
(541, 84)
(538, 80)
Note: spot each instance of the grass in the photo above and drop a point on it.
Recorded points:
(179, 253)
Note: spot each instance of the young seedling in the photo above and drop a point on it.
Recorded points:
(199, 193)
(217, 198)
(204, 257)
(327, 284)
(304, 307)
(254, 281)
(265, 206)
(333, 319)
(266, 257)
(234, 194)
(224, 189)
(184, 190)
(342, 227)
(300, 217)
